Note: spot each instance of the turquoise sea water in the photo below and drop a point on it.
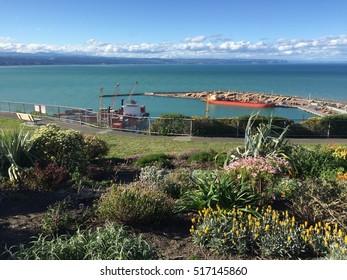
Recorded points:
(78, 86)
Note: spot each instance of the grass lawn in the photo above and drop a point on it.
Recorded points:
(6, 124)
(123, 146)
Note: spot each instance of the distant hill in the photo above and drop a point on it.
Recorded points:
(13, 59)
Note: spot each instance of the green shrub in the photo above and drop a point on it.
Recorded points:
(310, 163)
(107, 243)
(215, 127)
(171, 124)
(66, 216)
(160, 160)
(202, 157)
(286, 188)
(64, 147)
(135, 204)
(57, 218)
(95, 147)
(177, 183)
(235, 126)
(214, 188)
(68, 148)
(327, 126)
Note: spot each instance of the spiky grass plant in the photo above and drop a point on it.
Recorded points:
(263, 140)
(14, 151)
(105, 243)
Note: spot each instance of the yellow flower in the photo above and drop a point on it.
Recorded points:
(288, 238)
(336, 245)
(256, 235)
(345, 239)
(267, 227)
(193, 220)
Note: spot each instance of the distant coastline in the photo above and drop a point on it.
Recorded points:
(22, 59)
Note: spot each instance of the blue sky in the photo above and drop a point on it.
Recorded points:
(285, 29)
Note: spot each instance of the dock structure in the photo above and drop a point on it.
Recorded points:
(122, 94)
(311, 110)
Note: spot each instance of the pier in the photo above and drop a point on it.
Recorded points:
(122, 94)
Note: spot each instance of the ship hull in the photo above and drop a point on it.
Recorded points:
(241, 103)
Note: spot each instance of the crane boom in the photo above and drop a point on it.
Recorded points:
(132, 91)
(115, 96)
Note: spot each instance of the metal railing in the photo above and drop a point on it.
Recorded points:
(170, 126)
(105, 119)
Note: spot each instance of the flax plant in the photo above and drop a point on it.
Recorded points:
(15, 149)
(263, 140)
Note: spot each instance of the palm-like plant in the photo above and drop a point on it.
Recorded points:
(263, 140)
(14, 151)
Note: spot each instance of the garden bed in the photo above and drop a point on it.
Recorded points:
(63, 195)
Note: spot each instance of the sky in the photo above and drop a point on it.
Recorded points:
(314, 30)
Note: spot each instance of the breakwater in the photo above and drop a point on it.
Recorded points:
(319, 107)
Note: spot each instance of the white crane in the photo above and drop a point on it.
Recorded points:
(132, 91)
(115, 96)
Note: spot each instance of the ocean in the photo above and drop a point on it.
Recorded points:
(78, 86)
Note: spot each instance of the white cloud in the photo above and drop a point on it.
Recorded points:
(196, 39)
(328, 48)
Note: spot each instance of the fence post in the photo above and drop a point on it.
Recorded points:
(9, 106)
(149, 125)
(58, 112)
(238, 127)
(191, 128)
(328, 132)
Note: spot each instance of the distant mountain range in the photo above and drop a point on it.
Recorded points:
(16, 59)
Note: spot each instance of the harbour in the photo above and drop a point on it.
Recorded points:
(159, 85)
